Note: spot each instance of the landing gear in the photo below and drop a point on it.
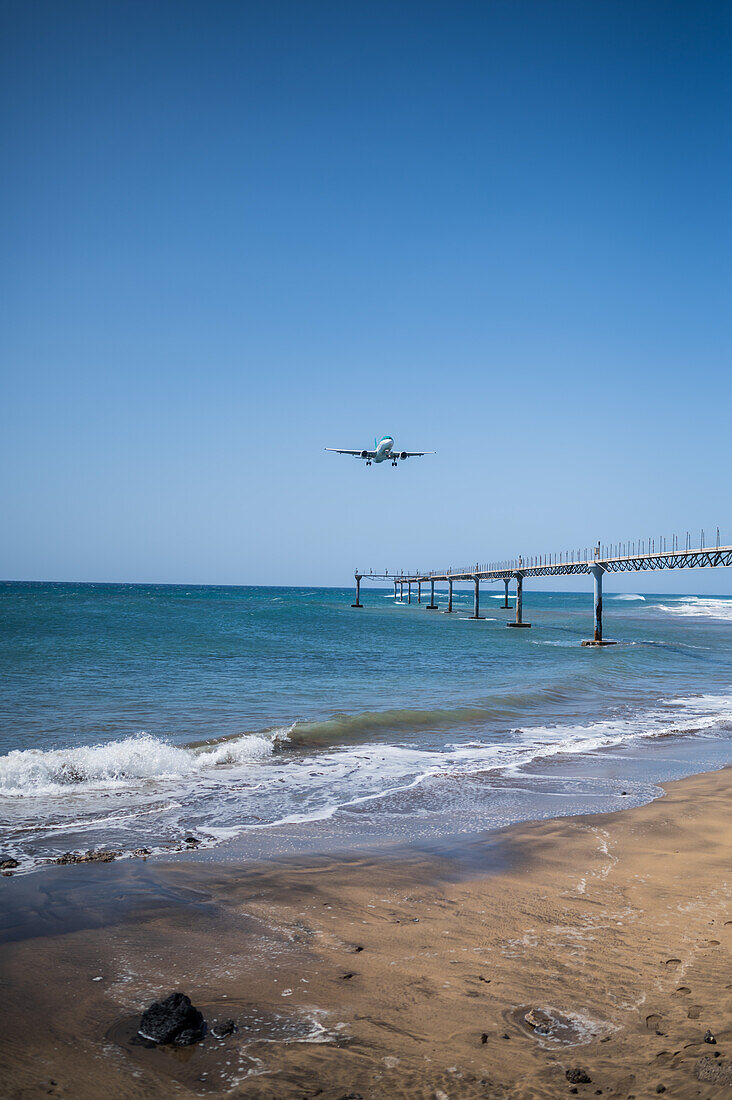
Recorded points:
(368, 463)
(393, 463)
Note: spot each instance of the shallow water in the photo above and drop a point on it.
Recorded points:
(132, 716)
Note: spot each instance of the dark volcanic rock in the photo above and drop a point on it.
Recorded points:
(716, 1073)
(222, 1028)
(709, 1038)
(192, 841)
(578, 1076)
(188, 1037)
(87, 857)
(7, 863)
(173, 1020)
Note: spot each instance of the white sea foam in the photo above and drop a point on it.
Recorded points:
(695, 715)
(109, 765)
(628, 596)
(719, 705)
(240, 750)
(700, 607)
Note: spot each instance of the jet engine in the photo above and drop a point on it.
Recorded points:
(402, 454)
(364, 454)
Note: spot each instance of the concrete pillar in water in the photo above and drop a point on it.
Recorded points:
(476, 599)
(432, 606)
(597, 571)
(449, 596)
(519, 601)
(597, 578)
(409, 591)
(358, 592)
(419, 592)
(505, 603)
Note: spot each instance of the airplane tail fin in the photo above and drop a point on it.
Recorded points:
(376, 443)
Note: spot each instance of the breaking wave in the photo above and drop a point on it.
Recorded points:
(359, 727)
(700, 607)
(118, 763)
(144, 758)
(628, 596)
(380, 725)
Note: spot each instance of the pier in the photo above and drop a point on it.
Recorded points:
(626, 557)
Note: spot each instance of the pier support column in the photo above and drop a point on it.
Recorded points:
(597, 572)
(409, 591)
(519, 601)
(395, 588)
(432, 606)
(505, 603)
(358, 592)
(449, 597)
(476, 600)
(401, 591)
(419, 592)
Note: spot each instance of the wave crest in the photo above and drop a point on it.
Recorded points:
(700, 607)
(117, 763)
(343, 728)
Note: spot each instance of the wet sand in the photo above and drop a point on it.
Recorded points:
(393, 976)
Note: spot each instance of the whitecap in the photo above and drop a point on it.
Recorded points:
(700, 607)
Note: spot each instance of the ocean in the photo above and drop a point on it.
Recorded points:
(277, 720)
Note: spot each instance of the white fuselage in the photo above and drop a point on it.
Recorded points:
(383, 449)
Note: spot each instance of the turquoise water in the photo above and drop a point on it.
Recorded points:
(132, 715)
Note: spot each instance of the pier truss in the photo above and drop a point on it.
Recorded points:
(595, 563)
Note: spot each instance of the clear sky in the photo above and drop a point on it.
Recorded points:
(234, 233)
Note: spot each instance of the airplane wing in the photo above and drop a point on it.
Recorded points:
(413, 454)
(356, 454)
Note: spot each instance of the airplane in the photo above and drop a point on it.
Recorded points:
(382, 452)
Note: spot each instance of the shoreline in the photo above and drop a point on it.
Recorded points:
(396, 973)
(601, 774)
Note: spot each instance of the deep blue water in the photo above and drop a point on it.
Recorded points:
(133, 714)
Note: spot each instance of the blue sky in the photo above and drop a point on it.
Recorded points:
(235, 233)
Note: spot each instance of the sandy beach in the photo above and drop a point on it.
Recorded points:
(595, 947)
